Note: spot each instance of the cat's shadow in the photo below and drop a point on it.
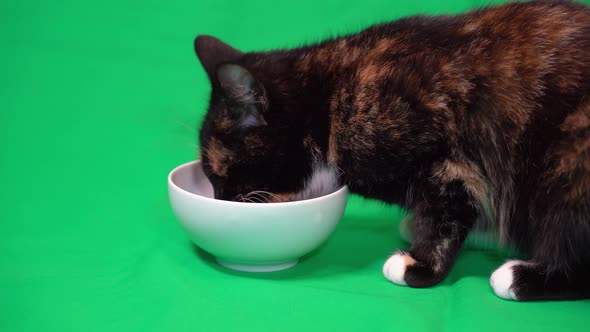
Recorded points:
(359, 243)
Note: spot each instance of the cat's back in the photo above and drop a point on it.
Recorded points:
(520, 31)
(519, 51)
(513, 67)
(540, 35)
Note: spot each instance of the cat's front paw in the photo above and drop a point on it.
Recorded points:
(502, 280)
(403, 269)
(396, 266)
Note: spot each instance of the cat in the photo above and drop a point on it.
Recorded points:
(474, 122)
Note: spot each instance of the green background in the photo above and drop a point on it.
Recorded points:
(98, 101)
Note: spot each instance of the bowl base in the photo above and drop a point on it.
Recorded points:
(256, 267)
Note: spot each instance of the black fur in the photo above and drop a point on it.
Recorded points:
(482, 116)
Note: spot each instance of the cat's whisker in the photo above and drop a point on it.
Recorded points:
(281, 198)
(252, 194)
(242, 199)
(192, 145)
(266, 199)
(186, 126)
(259, 196)
(256, 200)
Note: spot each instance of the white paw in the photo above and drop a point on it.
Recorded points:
(395, 267)
(502, 280)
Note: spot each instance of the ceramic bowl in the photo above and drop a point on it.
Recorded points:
(254, 237)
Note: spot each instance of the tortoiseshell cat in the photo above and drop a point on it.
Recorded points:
(478, 121)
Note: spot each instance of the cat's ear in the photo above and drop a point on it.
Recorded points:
(212, 52)
(244, 93)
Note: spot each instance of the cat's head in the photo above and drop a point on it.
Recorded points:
(252, 138)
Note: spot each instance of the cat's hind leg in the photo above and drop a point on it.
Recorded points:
(558, 231)
(559, 246)
(530, 280)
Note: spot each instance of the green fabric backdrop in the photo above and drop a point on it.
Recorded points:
(98, 101)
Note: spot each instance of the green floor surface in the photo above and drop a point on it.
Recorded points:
(99, 100)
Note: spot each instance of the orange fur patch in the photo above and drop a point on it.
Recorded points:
(224, 123)
(281, 198)
(218, 157)
(408, 260)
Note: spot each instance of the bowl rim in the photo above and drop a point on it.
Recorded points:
(171, 184)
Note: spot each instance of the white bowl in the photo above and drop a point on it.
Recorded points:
(254, 237)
